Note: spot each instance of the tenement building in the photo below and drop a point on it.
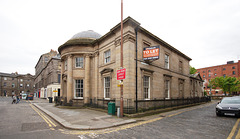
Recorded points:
(231, 69)
(47, 75)
(14, 83)
(154, 70)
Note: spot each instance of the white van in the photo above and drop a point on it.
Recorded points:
(24, 96)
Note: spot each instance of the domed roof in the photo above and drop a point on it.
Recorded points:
(90, 34)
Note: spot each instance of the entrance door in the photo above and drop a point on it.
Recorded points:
(59, 92)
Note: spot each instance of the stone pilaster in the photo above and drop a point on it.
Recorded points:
(62, 72)
(86, 94)
(96, 76)
(69, 78)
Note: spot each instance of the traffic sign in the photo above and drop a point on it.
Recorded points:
(121, 74)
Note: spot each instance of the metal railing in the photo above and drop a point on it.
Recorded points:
(143, 105)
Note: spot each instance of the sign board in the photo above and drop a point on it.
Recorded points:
(121, 74)
(55, 91)
(151, 53)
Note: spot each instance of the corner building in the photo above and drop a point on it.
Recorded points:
(48, 75)
(90, 63)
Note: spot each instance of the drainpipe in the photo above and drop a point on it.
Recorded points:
(136, 30)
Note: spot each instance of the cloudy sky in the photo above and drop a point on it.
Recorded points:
(208, 31)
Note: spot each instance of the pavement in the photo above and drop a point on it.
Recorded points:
(80, 119)
(92, 119)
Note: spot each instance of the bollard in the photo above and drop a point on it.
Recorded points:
(118, 112)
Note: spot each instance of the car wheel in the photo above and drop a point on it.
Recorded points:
(237, 115)
(218, 114)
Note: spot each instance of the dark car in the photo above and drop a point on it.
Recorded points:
(29, 97)
(228, 106)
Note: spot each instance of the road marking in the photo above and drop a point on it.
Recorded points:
(233, 130)
(41, 115)
(190, 109)
(45, 117)
(238, 135)
(47, 120)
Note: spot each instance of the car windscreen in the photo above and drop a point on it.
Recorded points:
(230, 101)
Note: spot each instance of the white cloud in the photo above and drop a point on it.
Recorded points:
(207, 31)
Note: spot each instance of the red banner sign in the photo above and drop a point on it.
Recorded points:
(121, 74)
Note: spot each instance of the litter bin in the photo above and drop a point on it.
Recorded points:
(50, 99)
(111, 108)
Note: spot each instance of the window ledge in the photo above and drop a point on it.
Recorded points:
(78, 98)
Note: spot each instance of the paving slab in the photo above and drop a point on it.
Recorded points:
(80, 119)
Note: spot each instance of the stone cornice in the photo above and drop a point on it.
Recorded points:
(127, 37)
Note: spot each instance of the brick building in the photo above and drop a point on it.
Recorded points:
(47, 75)
(90, 63)
(14, 83)
(230, 69)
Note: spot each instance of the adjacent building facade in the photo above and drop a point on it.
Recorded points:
(47, 75)
(14, 83)
(230, 69)
(89, 64)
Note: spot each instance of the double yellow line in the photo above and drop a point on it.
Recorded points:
(124, 127)
(234, 130)
(45, 118)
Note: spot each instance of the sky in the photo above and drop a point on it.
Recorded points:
(207, 31)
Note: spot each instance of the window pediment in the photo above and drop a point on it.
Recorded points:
(106, 70)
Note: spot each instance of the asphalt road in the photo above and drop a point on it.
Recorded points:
(200, 122)
(21, 121)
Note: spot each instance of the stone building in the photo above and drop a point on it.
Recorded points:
(15, 83)
(47, 75)
(196, 84)
(90, 63)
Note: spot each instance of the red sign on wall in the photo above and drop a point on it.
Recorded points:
(151, 53)
(121, 74)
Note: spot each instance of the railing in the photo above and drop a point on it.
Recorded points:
(99, 102)
(143, 105)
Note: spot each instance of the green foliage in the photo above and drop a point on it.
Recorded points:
(227, 84)
(205, 93)
(192, 70)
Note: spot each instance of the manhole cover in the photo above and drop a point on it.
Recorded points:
(95, 119)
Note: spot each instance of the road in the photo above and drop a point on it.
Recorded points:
(23, 120)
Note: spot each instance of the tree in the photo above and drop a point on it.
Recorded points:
(227, 84)
(192, 70)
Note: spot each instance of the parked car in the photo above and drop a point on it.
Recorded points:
(29, 97)
(228, 106)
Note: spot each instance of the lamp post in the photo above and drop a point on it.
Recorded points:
(121, 86)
